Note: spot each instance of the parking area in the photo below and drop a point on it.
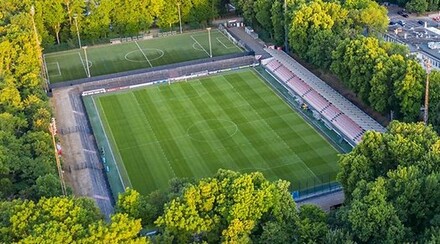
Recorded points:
(398, 16)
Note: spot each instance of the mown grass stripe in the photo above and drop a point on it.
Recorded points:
(215, 139)
(223, 103)
(191, 149)
(270, 138)
(250, 93)
(159, 125)
(249, 131)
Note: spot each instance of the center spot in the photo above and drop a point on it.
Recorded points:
(139, 56)
(212, 130)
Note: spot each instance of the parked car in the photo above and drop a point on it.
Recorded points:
(421, 22)
(401, 22)
(403, 13)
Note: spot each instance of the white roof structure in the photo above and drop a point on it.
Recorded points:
(343, 104)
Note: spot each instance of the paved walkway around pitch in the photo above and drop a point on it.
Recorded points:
(255, 44)
(81, 164)
(326, 202)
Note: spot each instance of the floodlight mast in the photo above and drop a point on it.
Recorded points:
(209, 38)
(75, 17)
(428, 70)
(53, 132)
(180, 17)
(40, 57)
(87, 61)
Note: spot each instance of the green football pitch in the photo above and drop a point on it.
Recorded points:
(191, 129)
(108, 59)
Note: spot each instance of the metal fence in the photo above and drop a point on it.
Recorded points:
(317, 186)
(321, 184)
(145, 74)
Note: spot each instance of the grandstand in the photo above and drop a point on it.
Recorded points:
(328, 105)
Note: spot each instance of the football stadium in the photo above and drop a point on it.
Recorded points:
(186, 105)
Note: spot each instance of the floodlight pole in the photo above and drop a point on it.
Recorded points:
(40, 58)
(75, 17)
(53, 131)
(87, 61)
(286, 45)
(209, 38)
(33, 24)
(428, 69)
(180, 18)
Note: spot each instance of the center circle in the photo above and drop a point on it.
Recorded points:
(212, 130)
(139, 56)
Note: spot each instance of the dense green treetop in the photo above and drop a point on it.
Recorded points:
(63, 220)
(232, 208)
(392, 185)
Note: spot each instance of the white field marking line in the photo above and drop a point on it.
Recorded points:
(200, 45)
(194, 45)
(299, 112)
(232, 125)
(76, 112)
(101, 197)
(223, 43)
(145, 56)
(229, 40)
(279, 138)
(110, 147)
(268, 168)
(85, 70)
(45, 67)
(186, 136)
(59, 71)
(90, 151)
(58, 67)
(155, 136)
(62, 53)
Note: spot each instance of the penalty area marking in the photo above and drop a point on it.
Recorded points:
(196, 48)
(82, 62)
(162, 53)
(233, 42)
(145, 56)
(58, 68)
(218, 39)
(200, 45)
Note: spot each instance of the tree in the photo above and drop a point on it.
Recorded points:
(97, 23)
(312, 224)
(54, 16)
(371, 218)
(417, 6)
(391, 184)
(311, 19)
(262, 10)
(47, 186)
(168, 16)
(403, 144)
(368, 16)
(58, 220)
(229, 206)
(387, 71)
(409, 91)
(203, 11)
(136, 206)
(132, 16)
(434, 100)
(278, 22)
